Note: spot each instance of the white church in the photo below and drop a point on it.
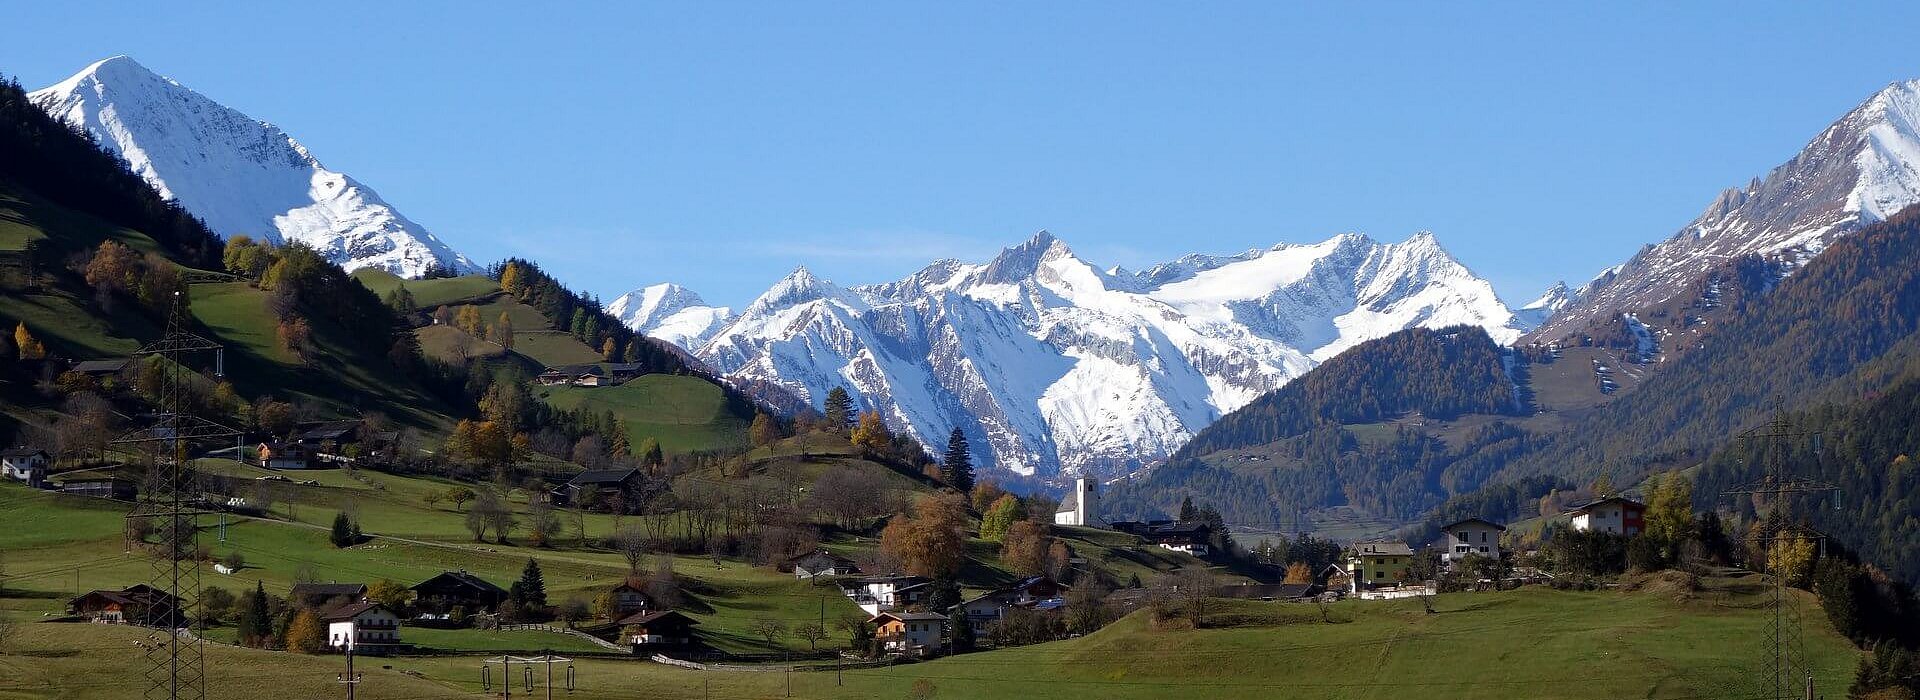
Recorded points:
(1079, 505)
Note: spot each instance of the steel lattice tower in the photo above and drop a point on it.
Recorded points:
(169, 498)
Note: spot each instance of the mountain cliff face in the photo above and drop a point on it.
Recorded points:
(1860, 170)
(1057, 366)
(672, 313)
(238, 174)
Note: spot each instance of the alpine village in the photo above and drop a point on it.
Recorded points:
(310, 463)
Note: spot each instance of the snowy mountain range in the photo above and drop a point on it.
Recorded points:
(1058, 366)
(238, 174)
(1858, 171)
(672, 313)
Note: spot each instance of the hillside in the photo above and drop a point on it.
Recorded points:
(1840, 329)
(1659, 645)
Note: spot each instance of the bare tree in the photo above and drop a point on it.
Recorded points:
(768, 628)
(813, 632)
(1195, 588)
(632, 543)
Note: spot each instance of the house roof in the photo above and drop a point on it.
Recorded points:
(602, 476)
(575, 371)
(1596, 503)
(829, 556)
(1483, 521)
(350, 611)
(92, 366)
(466, 579)
(1396, 548)
(1264, 590)
(625, 367)
(910, 616)
(643, 618)
(907, 579)
(327, 590)
(21, 452)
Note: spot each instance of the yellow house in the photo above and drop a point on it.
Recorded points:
(1378, 564)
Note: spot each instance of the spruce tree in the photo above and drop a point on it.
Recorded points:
(839, 409)
(1187, 511)
(256, 624)
(958, 466)
(533, 586)
(342, 534)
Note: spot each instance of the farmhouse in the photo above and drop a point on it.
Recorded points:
(1079, 505)
(657, 629)
(1378, 564)
(988, 608)
(575, 375)
(591, 481)
(822, 563)
(909, 634)
(1470, 537)
(316, 595)
(139, 604)
(1180, 536)
(25, 464)
(458, 588)
(284, 455)
(1621, 516)
(878, 594)
(629, 599)
(362, 627)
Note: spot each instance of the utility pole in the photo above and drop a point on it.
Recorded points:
(349, 679)
(176, 663)
(1787, 670)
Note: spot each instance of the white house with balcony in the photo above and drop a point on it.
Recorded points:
(363, 627)
(1470, 537)
(1620, 516)
(878, 594)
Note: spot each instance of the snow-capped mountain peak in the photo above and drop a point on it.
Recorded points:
(1056, 365)
(670, 312)
(1857, 171)
(238, 174)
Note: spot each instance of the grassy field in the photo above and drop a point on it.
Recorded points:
(685, 414)
(1531, 643)
(338, 377)
(428, 293)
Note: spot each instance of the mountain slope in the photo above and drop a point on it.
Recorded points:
(1844, 328)
(1861, 169)
(1059, 366)
(238, 174)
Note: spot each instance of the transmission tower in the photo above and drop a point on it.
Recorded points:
(1786, 664)
(176, 666)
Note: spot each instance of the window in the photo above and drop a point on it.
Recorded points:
(1483, 539)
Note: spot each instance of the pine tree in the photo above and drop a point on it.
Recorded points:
(256, 624)
(1187, 512)
(839, 410)
(958, 466)
(650, 453)
(533, 586)
(342, 534)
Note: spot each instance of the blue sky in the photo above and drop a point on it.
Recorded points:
(720, 144)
